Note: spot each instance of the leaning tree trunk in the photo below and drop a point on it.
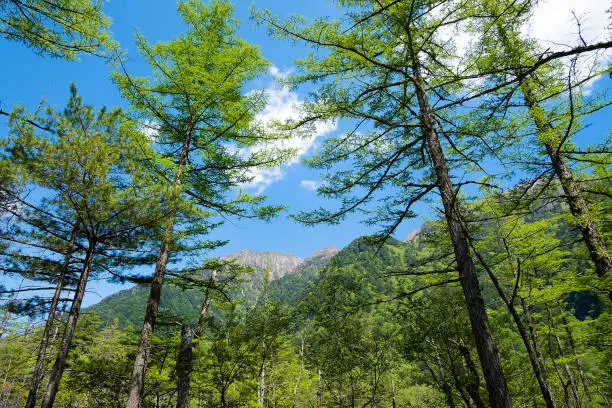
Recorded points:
(319, 391)
(73, 315)
(441, 382)
(144, 348)
(183, 367)
(596, 245)
(537, 367)
(568, 371)
(205, 306)
(261, 391)
(37, 374)
(499, 396)
(572, 343)
(473, 381)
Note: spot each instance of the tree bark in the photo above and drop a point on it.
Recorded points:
(499, 396)
(319, 395)
(568, 371)
(473, 382)
(299, 379)
(73, 315)
(393, 398)
(533, 336)
(205, 305)
(595, 244)
(538, 369)
(144, 348)
(572, 343)
(184, 366)
(261, 392)
(222, 398)
(37, 374)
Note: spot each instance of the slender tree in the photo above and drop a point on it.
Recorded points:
(553, 129)
(59, 28)
(99, 195)
(203, 118)
(389, 71)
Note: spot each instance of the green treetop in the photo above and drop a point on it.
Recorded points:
(59, 28)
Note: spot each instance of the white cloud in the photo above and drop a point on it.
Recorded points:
(284, 104)
(309, 184)
(278, 73)
(150, 129)
(554, 24)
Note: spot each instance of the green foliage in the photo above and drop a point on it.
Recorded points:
(58, 28)
(196, 106)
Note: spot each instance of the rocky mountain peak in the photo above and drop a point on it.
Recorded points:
(323, 253)
(279, 264)
(413, 234)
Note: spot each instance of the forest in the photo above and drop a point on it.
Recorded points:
(502, 298)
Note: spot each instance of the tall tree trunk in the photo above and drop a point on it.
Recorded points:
(473, 382)
(319, 394)
(205, 305)
(499, 396)
(533, 336)
(572, 343)
(222, 398)
(537, 368)
(299, 379)
(73, 315)
(261, 391)
(37, 374)
(183, 367)
(441, 382)
(144, 348)
(393, 398)
(568, 371)
(596, 245)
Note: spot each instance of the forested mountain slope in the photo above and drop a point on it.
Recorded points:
(128, 305)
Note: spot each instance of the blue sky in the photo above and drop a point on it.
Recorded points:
(28, 78)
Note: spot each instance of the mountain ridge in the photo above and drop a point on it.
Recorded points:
(128, 305)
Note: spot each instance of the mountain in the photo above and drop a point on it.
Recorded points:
(278, 264)
(127, 306)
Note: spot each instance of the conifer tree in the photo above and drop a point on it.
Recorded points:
(97, 198)
(204, 120)
(59, 28)
(388, 69)
(554, 127)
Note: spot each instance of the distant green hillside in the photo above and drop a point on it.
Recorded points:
(127, 306)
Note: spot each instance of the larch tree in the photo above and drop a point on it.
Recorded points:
(553, 123)
(389, 69)
(58, 28)
(204, 122)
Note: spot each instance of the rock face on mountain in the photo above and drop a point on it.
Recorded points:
(413, 234)
(323, 254)
(289, 271)
(278, 264)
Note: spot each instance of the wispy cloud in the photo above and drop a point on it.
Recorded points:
(150, 129)
(309, 184)
(284, 104)
(554, 24)
(279, 73)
